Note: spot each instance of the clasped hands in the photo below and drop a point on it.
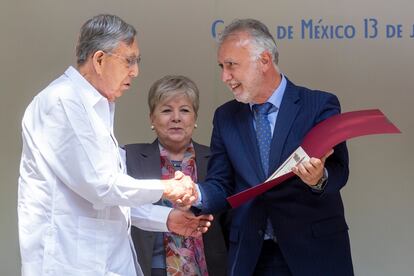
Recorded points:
(182, 192)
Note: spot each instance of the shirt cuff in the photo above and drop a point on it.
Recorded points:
(199, 202)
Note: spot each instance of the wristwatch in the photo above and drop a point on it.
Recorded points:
(321, 183)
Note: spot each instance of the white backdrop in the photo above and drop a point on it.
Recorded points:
(370, 67)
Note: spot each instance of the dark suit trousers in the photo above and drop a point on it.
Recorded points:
(271, 261)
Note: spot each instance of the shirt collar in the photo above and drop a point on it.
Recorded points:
(277, 95)
(88, 92)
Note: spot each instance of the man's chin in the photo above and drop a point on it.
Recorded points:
(120, 93)
(241, 98)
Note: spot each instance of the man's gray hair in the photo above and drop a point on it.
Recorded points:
(260, 36)
(172, 86)
(102, 32)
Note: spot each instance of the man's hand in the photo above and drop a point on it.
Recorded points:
(311, 171)
(185, 223)
(180, 190)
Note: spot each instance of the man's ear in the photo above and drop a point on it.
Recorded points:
(98, 60)
(266, 60)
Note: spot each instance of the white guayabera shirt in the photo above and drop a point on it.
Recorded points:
(74, 197)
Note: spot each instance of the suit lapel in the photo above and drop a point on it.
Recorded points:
(148, 160)
(289, 109)
(202, 157)
(244, 120)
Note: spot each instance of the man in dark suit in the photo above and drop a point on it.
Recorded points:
(298, 227)
(143, 162)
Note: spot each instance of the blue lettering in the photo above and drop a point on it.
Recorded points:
(283, 32)
(370, 28)
(350, 31)
(214, 27)
(393, 31)
(317, 31)
(306, 25)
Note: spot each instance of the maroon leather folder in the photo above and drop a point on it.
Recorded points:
(323, 137)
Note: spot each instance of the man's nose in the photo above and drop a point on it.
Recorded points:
(134, 72)
(225, 75)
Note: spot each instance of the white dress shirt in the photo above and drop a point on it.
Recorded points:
(74, 197)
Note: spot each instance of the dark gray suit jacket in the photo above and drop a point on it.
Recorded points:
(143, 161)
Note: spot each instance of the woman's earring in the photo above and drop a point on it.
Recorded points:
(152, 127)
(195, 125)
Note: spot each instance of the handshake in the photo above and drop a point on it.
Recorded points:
(182, 192)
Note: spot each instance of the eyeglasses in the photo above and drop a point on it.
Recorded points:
(131, 61)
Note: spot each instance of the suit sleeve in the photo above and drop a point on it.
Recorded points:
(337, 163)
(219, 182)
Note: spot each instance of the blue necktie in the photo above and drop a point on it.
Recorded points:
(264, 138)
(263, 131)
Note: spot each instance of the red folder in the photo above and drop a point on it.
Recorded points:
(323, 137)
